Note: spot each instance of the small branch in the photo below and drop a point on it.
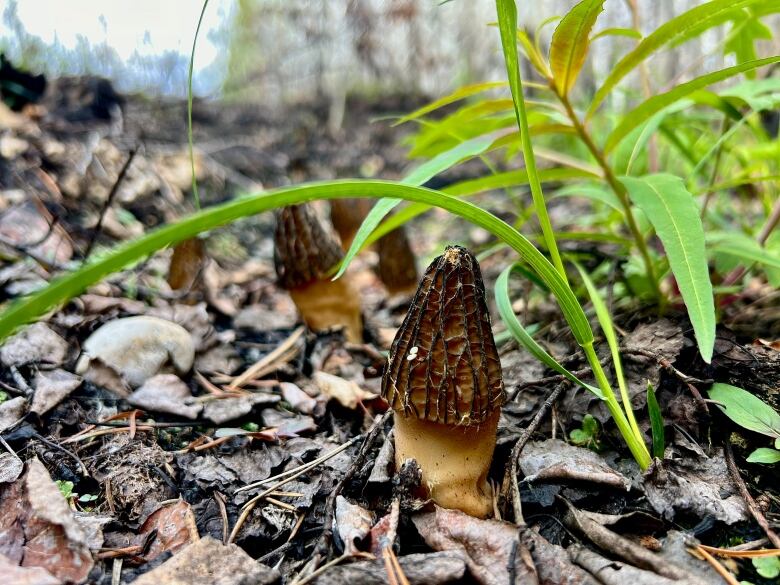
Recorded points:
(510, 477)
(109, 200)
(323, 544)
(749, 501)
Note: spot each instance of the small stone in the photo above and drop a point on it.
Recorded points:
(139, 348)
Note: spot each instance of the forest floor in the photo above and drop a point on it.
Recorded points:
(272, 456)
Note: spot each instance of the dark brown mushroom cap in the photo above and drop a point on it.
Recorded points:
(397, 267)
(304, 250)
(443, 364)
(347, 214)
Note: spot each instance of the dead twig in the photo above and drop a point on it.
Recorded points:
(395, 574)
(322, 548)
(250, 505)
(255, 371)
(715, 564)
(510, 477)
(749, 501)
(109, 200)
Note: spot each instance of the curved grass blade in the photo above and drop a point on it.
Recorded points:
(605, 320)
(195, 194)
(71, 284)
(418, 176)
(472, 187)
(674, 32)
(674, 215)
(507, 24)
(504, 305)
(570, 43)
(656, 103)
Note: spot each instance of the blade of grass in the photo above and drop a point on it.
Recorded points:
(605, 320)
(504, 305)
(195, 194)
(73, 283)
(507, 24)
(418, 176)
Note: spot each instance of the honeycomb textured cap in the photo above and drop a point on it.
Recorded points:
(304, 251)
(443, 364)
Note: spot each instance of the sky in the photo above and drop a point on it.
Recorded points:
(146, 28)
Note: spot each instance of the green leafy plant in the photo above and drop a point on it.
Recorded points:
(592, 154)
(587, 435)
(751, 413)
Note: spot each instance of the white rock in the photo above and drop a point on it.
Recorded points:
(139, 348)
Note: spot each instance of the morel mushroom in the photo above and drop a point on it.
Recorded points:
(304, 253)
(443, 380)
(346, 215)
(397, 268)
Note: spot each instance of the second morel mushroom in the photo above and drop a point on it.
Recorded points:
(304, 253)
(397, 268)
(443, 380)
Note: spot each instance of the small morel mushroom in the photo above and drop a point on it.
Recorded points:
(346, 215)
(443, 380)
(304, 253)
(397, 268)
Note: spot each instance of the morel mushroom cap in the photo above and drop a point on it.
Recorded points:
(346, 215)
(443, 365)
(397, 268)
(304, 250)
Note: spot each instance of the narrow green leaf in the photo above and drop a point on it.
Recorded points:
(671, 33)
(605, 321)
(746, 410)
(617, 32)
(418, 176)
(507, 24)
(656, 423)
(764, 455)
(746, 249)
(656, 103)
(472, 187)
(504, 305)
(592, 192)
(459, 94)
(570, 43)
(73, 283)
(533, 54)
(674, 215)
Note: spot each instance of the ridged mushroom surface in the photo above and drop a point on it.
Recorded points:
(443, 365)
(304, 250)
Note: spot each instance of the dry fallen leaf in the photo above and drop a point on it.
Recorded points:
(51, 388)
(345, 392)
(208, 562)
(34, 344)
(353, 523)
(489, 545)
(166, 393)
(555, 460)
(175, 528)
(38, 529)
(139, 348)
